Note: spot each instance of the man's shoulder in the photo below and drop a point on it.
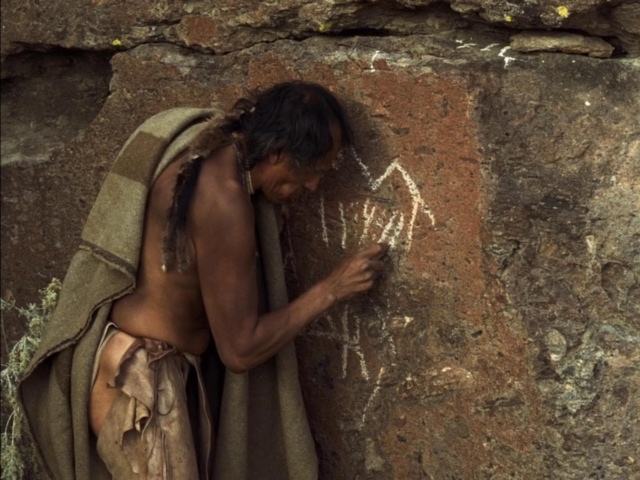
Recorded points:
(219, 192)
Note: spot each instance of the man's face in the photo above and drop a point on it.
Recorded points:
(288, 181)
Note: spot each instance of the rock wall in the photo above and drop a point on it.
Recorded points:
(503, 341)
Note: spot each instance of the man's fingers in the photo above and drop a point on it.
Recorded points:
(370, 251)
(375, 251)
(372, 265)
(372, 269)
(384, 248)
(376, 265)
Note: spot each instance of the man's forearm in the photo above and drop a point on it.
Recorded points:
(267, 334)
(274, 330)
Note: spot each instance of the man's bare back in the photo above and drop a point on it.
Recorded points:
(169, 305)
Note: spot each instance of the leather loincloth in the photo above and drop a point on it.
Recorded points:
(149, 431)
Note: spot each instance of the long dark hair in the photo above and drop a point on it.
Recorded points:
(295, 118)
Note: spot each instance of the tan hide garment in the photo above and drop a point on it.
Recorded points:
(263, 431)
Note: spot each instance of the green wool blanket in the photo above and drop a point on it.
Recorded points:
(263, 431)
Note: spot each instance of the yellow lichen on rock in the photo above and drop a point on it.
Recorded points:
(324, 26)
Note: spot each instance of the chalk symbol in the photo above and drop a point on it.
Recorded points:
(391, 227)
(345, 327)
(346, 330)
(507, 60)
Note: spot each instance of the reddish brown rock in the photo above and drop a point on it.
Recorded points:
(102, 25)
(502, 339)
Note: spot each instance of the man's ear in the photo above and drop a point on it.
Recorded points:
(277, 157)
(274, 158)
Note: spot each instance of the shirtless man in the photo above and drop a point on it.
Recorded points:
(214, 295)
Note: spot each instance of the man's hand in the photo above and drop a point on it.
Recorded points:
(357, 272)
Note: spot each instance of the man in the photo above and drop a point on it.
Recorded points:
(196, 280)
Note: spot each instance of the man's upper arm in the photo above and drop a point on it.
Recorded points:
(224, 239)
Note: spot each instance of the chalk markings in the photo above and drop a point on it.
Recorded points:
(347, 333)
(325, 235)
(390, 235)
(393, 228)
(344, 226)
(368, 218)
(489, 47)
(347, 342)
(507, 60)
(417, 200)
(387, 228)
(344, 326)
(373, 59)
(374, 394)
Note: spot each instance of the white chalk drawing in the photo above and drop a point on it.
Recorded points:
(344, 226)
(375, 55)
(368, 221)
(347, 332)
(507, 60)
(368, 216)
(489, 47)
(325, 235)
(501, 54)
(397, 224)
(387, 228)
(466, 45)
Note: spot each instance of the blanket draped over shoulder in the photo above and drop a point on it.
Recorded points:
(262, 429)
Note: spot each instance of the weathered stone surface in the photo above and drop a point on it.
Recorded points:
(563, 211)
(561, 42)
(503, 340)
(228, 25)
(47, 99)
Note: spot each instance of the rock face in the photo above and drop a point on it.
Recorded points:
(228, 25)
(561, 42)
(503, 340)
